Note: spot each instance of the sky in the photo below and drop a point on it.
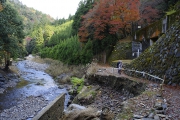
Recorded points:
(55, 8)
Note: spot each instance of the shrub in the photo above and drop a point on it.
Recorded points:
(77, 82)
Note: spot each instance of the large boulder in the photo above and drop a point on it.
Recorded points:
(77, 112)
(87, 95)
(64, 78)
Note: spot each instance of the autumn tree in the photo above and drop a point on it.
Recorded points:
(124, 13)
(153, 10)
(107, 20)
(109, 17)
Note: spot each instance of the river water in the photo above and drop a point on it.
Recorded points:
(34, 83)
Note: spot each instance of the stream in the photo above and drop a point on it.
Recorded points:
(35, 90)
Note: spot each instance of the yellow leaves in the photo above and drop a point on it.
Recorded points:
(1, 7)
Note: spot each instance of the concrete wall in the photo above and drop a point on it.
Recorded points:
(52, 111)
(118, 83)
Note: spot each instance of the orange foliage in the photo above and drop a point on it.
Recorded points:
(124, 13)
(108, 17)
(156, 33)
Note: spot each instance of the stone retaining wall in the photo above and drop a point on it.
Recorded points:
(163, 57)
(53, 111)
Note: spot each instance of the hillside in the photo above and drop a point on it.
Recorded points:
(30, 16)
(122, 51)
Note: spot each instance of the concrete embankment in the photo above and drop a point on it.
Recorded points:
(52, 111)
(118, 83)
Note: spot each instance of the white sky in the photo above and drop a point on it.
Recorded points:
(55, 8)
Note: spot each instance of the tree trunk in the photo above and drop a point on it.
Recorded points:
(104, 57)
(7, 65)
(7, 60)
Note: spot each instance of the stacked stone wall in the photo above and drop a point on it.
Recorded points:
(162, 58)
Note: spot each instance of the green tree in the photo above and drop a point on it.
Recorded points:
(61, 32)
(11, 33)
(30, 45)
(83, 8)
(37, 35)
(48, 32)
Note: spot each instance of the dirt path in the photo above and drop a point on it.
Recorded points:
(171, 94)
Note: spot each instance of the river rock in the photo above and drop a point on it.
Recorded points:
(80, 113)
(63, 78)
(156, 117)
(2, 90)
(86, 95)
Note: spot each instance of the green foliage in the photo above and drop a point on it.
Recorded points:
(77, 82)
(69, 51)
(62, 20)
(31, 17)
(170, 12)
(30, 46)
(84, 7)
(57, 43)
(105, 44)
(86, 54)
(173, 7)
(121, 51)
(2, 1)
(11, 32)
(38, 40)
(48, 32)
(61, 32)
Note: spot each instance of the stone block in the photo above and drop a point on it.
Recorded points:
(53, 111)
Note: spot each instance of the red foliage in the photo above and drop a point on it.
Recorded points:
(108, 17)
(149, 14)
(125, 12)
(150, 11)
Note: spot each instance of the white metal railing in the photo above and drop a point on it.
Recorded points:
(143, 73)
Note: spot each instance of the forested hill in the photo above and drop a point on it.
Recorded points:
(94, 29)
(30, 16)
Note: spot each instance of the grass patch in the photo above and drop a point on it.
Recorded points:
(57, 68)
(77, 82)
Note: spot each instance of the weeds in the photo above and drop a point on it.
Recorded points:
(77, 82)
(92, 68)
(57, 68)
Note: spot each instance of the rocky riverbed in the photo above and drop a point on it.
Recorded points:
(22, 98)
(22, 102)
(155, 103)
